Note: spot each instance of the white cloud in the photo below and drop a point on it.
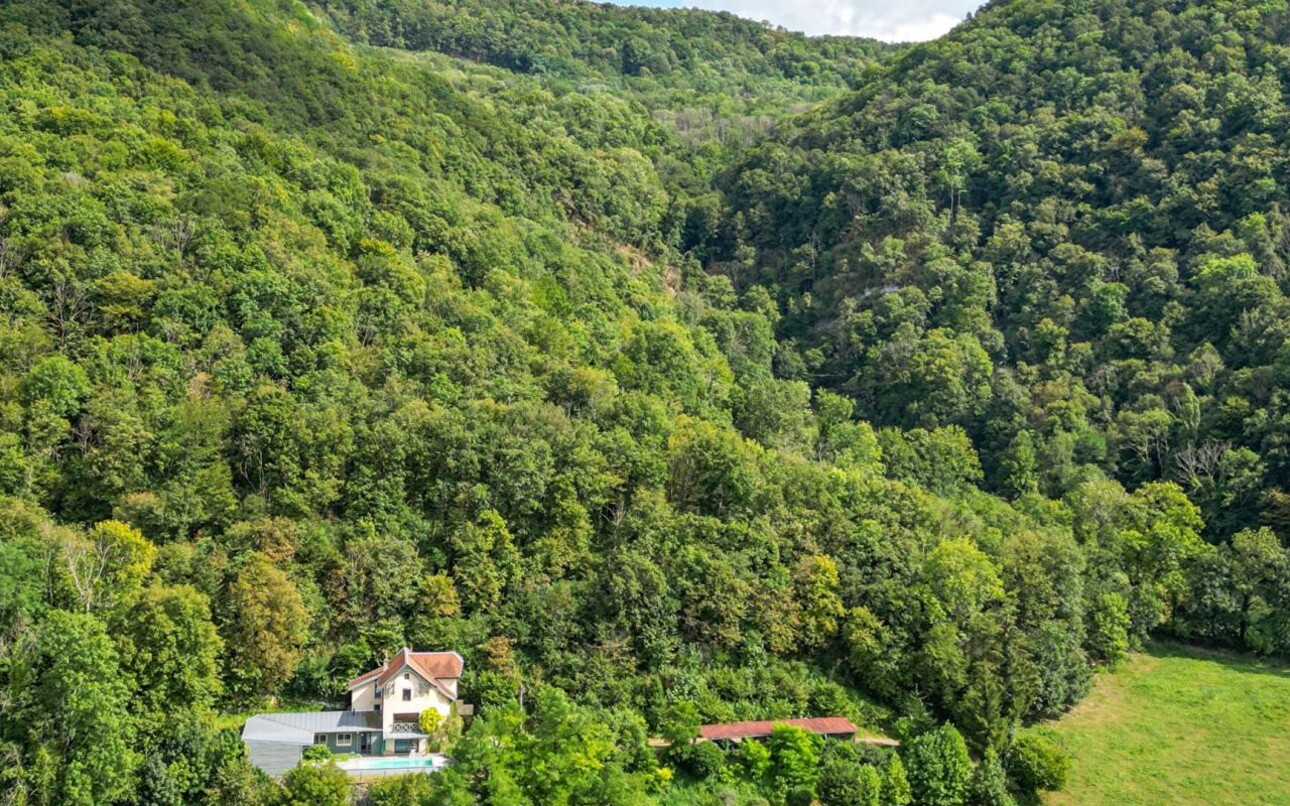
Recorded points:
(938, 24)
(889, 20)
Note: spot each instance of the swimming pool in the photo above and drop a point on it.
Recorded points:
(424, 764)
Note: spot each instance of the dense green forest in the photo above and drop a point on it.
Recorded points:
(670, 368)
(1062, 230)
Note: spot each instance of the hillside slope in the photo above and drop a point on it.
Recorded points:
(311, 350)
(1063, 229)
(580, 40)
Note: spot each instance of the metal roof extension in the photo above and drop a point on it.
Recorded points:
(275, 742)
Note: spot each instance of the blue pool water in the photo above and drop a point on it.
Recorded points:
(359, 764)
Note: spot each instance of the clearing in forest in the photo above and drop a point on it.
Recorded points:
(1180, 726)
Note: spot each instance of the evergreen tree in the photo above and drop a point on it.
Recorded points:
(940, 769)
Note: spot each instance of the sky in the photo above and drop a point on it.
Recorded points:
(889, 20)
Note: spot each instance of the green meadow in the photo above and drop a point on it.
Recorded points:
(1180, 726)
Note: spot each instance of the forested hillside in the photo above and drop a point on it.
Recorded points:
(330, 329)
(1067, 220)
(683, 47)
(714, 78)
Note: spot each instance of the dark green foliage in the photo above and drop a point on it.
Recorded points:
(846, 779)
(1108, 633)
(564, 355)
(989, 783)
(402, 790)
(940, 769)
(1037, 763)
(666, 59)
(1062, 307)
(699, 761)
(312, 784)
(680, 723)
(560, 753)
(171, 649)
(802, 796)
(66, 692)
(577, 38)
(754, 761)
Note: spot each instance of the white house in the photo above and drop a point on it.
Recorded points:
(385, 707)
(400, 690)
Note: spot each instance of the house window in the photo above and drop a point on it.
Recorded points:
(344, 739)
(407, 676)
(320, 738)
(407, 695)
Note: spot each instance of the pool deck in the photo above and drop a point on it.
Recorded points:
(372, 776)
(359, 774)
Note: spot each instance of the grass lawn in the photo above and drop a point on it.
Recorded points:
(1180, 726)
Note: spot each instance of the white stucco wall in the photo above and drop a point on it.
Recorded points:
(424, 697)
(362, 698)
(451, 685)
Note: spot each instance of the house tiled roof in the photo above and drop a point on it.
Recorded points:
(823, 725)
(363, 678)
(433, 666)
